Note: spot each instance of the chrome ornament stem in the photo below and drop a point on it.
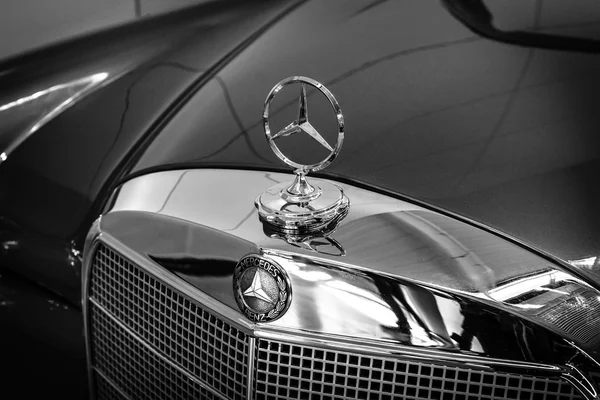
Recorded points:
(301, 191)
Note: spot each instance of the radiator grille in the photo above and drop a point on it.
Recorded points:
(300, 372)
(140, 373)
(193, 338)
(151, 342)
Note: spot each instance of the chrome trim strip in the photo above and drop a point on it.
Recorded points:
(113, 385)
(154, 351)
(91, 242)
(581, 383)
(250, 378)
(205, 301)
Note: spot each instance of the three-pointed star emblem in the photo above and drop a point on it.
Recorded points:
(302, 124)
(255, 289)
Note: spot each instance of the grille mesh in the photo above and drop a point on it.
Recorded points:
(139, 373)
(194, 339)
(300, 372)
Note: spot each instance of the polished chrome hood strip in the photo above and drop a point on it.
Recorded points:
(179, 285)
(156, 352)
(112, 385)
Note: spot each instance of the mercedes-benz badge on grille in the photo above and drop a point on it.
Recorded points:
(262, 288)
(299, 207)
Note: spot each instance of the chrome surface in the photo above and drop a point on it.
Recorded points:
(393, 280)
(261, 288)
(301, 207)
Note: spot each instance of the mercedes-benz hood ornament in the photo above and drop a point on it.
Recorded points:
(300, 207)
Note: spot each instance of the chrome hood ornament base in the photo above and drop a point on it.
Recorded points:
(302, 207)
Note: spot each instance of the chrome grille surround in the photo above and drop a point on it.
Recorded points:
(125, 362)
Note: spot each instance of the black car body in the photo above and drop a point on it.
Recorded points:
(471, 161)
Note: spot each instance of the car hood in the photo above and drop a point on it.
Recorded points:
(499, 134)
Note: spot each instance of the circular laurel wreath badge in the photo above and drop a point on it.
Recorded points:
(261, 288)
